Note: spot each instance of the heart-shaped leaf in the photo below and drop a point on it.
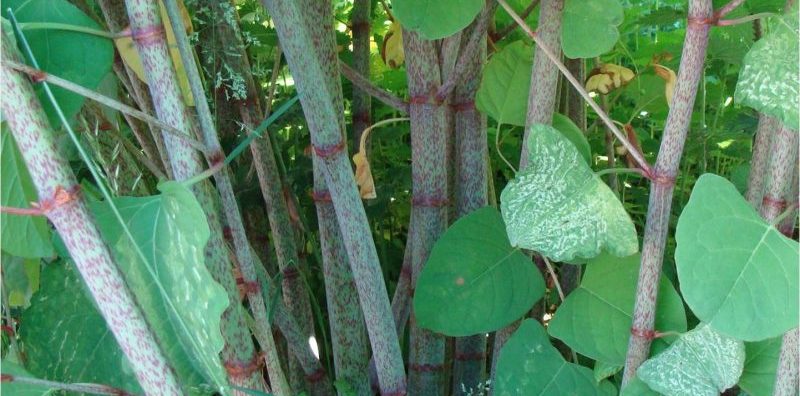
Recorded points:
(701, 362)
(574, 134)
(603, 370)
(65, 337)
(182, 303)
(560, 208)
(435, 19)
(589, 28)
(595, 319)
(529, 365)
(760, 366)
(79, 57)
(23, 236)
(474, 281)
(732, 265)
(768, 80)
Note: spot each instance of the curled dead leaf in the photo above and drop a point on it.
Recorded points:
(366, 185)
(392, 51)
(608, 77)
(669, 78)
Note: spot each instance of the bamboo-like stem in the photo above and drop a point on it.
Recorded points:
(116, 18)
(295, 293)
(758, 164)
(576, 107)
(778, 186)
(663, 176)
(319, 95)
(92, 389)
(544, 74)
(152, 47)
(55, 183)
(365, 85)
(105, 100)
(429, 203)
(471, 188)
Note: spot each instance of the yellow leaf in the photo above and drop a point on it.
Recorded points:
(129, 55)
(366, 185)
(669, 78)
(392, 54)
(608, 77)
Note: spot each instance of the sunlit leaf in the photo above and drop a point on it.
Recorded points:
(733, 265)
(608, 77)
(392, 50)
(560, 208)
(503, 93)
(701, 362)
(435, 19)
(589, 28)
(669, 78)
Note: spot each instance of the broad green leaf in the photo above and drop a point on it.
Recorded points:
(65, 337)
(760, 366)
(529, 365)
(18, 389)
(768, 80)
(474, 282)
(79, 57)
(595, 319)
(589, 28)
(435, 19)
(637, 387)
(603, 370)
(571, 131)
(701, 362)
(560, 208)
(23, 236)
(183, 304)
(732, 265)
(503, 92)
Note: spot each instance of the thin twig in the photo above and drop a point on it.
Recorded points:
(510, 28)
(469, 52)
(738, 21)
(636, 154)
(22, 211)
(552, 272)
(727, 8)
(367, 86)
(95, 389)
(40, 75)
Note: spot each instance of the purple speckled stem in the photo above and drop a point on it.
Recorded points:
(319, 95)
(295, 293)
(429, 203)
(778, 186)
(51, 175)
(664, 173)
(758, 164)
(116, 18)
(544, 74)
(168, 101)
(348, 332)
(471, 192)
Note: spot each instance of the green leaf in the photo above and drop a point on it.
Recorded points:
(79, 57)
(560, 208)
(65, 337)
(529, 365)
(637, 387)
(595, 319)
(474, 282)
(732, 265)
(503, 92)
(18, 389)
(435, 19)
(760, 366)
(603, 370)
(768, 80)
(183, 304)
(23, 236)
(20, 279)
(701, 362)
(589, 28)
(571, 131)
